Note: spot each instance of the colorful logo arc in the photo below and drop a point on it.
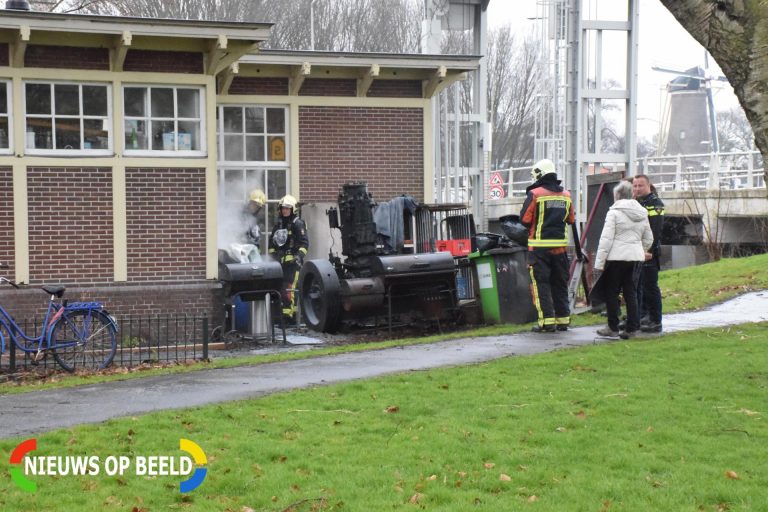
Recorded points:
(198, 455)
(20, 479)
(17, 456)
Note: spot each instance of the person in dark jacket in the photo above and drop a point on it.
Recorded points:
(252, 217)
(546, 213)
(649, 294)
(289, 245)
(625, 239)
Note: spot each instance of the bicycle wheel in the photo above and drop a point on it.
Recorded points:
(83, 339)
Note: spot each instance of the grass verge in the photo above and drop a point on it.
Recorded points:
(676, 423)
(684, 289)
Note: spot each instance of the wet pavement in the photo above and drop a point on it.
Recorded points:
(40, 411)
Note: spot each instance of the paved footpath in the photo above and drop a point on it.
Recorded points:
(39, 411)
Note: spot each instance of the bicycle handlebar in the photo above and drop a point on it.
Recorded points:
(6, 280)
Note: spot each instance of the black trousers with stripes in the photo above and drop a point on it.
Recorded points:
(549, 282)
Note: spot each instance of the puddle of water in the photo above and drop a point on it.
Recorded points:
(748, 308)
(297, 339)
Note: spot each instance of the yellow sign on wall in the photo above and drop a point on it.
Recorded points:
(277, 149)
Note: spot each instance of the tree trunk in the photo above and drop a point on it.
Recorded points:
(735, 32)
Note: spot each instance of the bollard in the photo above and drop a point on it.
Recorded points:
(205, 338)
(12, 361)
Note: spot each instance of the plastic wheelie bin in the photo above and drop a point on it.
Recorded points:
(503, 285)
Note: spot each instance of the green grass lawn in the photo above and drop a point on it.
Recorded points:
(670, 424)
(685, 289)
(702, 285)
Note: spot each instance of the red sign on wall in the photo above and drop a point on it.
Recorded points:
(496, 192)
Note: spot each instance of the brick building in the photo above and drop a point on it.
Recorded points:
(123, 141)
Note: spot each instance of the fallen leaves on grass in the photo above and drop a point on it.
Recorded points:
(416, 498)
(532, 498)
(732, 475)
(392, 409)
(505, 478)
(489, 465)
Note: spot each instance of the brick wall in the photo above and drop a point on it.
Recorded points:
(166, 224)
(328, 87)
(5, 57)
(383, 146)
(259, 85)
(163, 61)
(70, 225)
(6, 221)
(395, 89)
(71, 57)
(121, 299)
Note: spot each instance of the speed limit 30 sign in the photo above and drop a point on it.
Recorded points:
(496, 192)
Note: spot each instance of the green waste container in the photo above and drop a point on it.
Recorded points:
(503, 285)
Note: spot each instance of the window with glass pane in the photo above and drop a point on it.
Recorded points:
(253, 134)
(163, 118)
(234, 186)
(4, 119)
(67, 116)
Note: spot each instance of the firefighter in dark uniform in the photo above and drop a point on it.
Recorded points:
(289, 245)
(546, 213)
(649, 294)
(252, 216)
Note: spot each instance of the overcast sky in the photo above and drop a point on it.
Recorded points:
(662, 42)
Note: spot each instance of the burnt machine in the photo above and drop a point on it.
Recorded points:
(251, 282)
(368, 285)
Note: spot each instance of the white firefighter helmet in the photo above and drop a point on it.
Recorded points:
(288, 201)
(541, 168)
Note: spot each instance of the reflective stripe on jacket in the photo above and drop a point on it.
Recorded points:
(546, 213)
(655, 208)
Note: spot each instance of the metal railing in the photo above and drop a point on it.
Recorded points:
(141, 340)
(729, 170)
(514, 180)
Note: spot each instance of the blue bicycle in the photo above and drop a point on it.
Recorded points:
(80, 335)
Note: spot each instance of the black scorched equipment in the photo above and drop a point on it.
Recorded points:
(368, 286)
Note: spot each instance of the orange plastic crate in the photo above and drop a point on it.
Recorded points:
(460, 247)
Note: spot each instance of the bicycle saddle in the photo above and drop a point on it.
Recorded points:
(54, 289)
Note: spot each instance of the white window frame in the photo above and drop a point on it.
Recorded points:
(148, 119)
(254, 163)
(9, 109)
(108, 120)
(266, 166)
(233, 204)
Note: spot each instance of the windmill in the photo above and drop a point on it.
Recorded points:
(689, 118)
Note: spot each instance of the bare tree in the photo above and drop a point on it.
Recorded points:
(391, 26)
(65, 6)
(513, 83)
(734, 132)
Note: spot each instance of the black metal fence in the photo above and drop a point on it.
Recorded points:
(141, 340)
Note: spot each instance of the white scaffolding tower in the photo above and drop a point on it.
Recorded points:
(575, 37)
(461, 135)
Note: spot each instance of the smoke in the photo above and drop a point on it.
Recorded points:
(233, 223)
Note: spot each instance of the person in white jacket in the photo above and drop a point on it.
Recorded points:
(624, 242)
